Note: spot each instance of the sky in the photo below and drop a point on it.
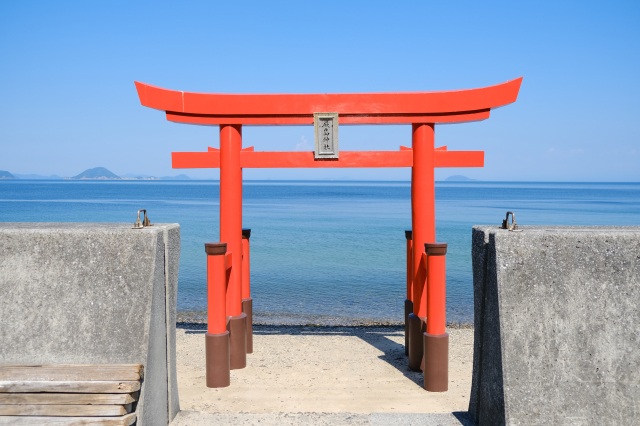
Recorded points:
(69, 102)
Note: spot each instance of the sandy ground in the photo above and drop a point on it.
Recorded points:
(297, 369)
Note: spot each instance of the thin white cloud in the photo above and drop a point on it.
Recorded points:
(303, 145)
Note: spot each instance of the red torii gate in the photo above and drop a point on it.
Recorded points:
(228, 337)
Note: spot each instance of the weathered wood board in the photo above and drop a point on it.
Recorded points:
(67, 398)
(68, 372)
(69, 394)
(63, 410)
(125, 420)
(69, 386)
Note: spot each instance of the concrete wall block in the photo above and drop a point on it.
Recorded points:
(557, 314)
(88, 293)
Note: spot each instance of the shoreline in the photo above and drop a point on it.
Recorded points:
(198, 319)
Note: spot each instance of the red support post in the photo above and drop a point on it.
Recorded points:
(231, 233)
(247, 301)
(436, 339)
(217, 336)
(408, 304)
(423, 201)
(423, 231)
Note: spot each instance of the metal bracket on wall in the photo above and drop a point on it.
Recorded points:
(513, 226)
(139, 224)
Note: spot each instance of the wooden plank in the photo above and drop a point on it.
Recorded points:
(63, 410)
(68, 372)
(67, 398)
(69, 386)
(126, 420)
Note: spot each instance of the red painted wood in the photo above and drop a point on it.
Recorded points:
(410, 269)
(426, 284)
(301, 105)
(348, 159)
(246, 268)
(216, 294)
(423, 201)
(436, 294)
(281, 120)
(231, 211)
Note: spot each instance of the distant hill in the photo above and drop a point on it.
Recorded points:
(458, 178)
(34, 176)
(97, 173)
(138, 176)
(177, 177)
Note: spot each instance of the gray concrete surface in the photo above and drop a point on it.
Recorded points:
(195, 418)
(557, 314)
(78, 293)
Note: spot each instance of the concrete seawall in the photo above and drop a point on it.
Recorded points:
(93, 293)
(557, 314)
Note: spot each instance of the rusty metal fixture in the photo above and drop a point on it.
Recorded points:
(139, 224)
(146, 221)
(513, 226)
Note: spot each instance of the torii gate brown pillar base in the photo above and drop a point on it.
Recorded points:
(217, 356)
(417, 327)
(237, 327)
(436, 362)
(408, 310)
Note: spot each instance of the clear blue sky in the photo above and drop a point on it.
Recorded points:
(69, 102)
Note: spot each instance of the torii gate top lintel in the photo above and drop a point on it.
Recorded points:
(354, 108)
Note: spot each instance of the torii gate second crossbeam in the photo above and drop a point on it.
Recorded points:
(228, 337)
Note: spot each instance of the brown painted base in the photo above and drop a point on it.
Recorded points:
(237, 327)
(416, 346)
(436, 362)
(217, 356)
(247, 309)
(408, 308)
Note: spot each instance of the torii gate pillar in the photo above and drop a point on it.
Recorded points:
(423, 198)
(231, 233)
(423, 225)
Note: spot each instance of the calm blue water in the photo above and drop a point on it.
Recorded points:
(315, 246)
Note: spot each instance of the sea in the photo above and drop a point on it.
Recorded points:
(323, 252)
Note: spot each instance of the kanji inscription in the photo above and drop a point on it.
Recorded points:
(326, 135)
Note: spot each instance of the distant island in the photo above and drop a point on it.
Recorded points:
(96, 173)
(458, 178)
(33, 176)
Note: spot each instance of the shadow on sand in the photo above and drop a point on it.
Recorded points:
(380, 337)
